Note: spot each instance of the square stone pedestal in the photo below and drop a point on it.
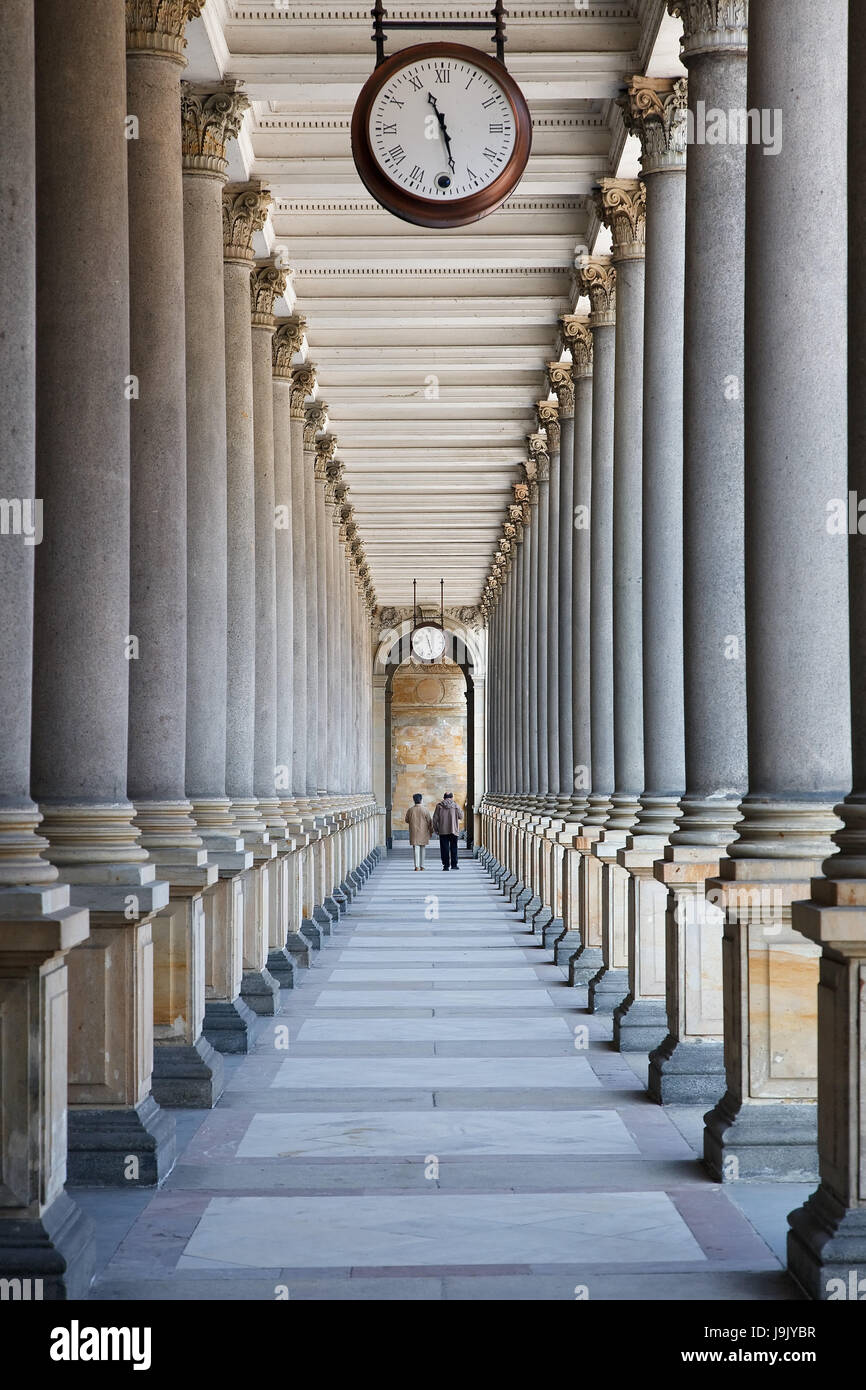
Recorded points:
(765, 1126)
(640, 1022)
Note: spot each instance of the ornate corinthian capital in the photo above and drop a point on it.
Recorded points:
(267, 283)
(245, 210)
(303, 385)
(209, 117)
(157, 26)
(539, 458)
(654, 109)
(711, 26)
(596, 277)
(315, 417)
(287, 340)
(577, 337)
(562, 382)
(326, 448)
(621, 205)
(547, 414)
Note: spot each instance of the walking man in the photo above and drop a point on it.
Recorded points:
(420, 829)
(446, 823)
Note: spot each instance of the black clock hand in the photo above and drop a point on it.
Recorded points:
(443, 128)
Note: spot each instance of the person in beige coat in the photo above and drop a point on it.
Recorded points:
(420, 829)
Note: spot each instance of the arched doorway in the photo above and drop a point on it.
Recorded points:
(429, 738)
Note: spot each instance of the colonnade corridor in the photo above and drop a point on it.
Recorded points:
(435, 1115)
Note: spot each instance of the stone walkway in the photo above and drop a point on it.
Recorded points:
(434, 1115)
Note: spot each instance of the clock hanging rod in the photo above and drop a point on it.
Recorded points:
(381, 23)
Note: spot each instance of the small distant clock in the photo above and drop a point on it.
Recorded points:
(441, 134)
(428, 642)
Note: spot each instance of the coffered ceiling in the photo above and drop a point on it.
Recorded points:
(430, 345)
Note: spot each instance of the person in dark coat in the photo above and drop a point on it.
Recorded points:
(446, 823)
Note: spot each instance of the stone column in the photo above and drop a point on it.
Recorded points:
(655, 110)
(287, 947)
(548, 419)
(267, 284)
(577, 337)
(325, 449)
(597, 279)
(209, 117)
(316, 415)
(827, 1241)
(43, 1235)
(796, 632)
(541, 462)
(245, 208)
(531, 540)
(303, 383)
(621, 204)
(562, 382)
(82, 644)
(186, 1070)
(688, 1065)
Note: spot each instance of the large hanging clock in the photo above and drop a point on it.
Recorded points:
(428, 642)
(441, 134)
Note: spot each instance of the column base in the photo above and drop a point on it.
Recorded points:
(686, 1073)
(187, 1076)
(584, 965)
(639, 1025)
(260, 992)
(348, 891)
(551, 932)
(827, 1248)
(332, 907)
(300, 950)
(54, 1256)
(530, 908)
(313, 933)
(776, 1142)
(322, 916)
(521, 900)
(566, 946)
(120, 1146)
(228, 1025)
(607, 990)
(282, 967)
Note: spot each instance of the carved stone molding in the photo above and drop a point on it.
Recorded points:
(210, 117)
(562, 382)
(157, 26)
(287, 340)
(303, 385)
(621, 205)
(711, 26)
(654, 109)
(547, 413)
(245, 211)
(577, 337)
(267, 283)
(315, 417)
(596, 277)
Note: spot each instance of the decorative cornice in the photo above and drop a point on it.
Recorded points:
(596, 278)
(577, 337)
(267, 283)
(315, 415)
(303, 385)
(654, 109)
(390, 616)
(209, 117)
(621, 205)
(711, 26)
(286, 343)
(157, 26)
(245, 211)
(562, 382)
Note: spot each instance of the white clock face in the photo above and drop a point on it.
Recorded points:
(442, 128)
(428, 643)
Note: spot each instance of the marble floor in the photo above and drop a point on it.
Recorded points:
(438, 1128)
